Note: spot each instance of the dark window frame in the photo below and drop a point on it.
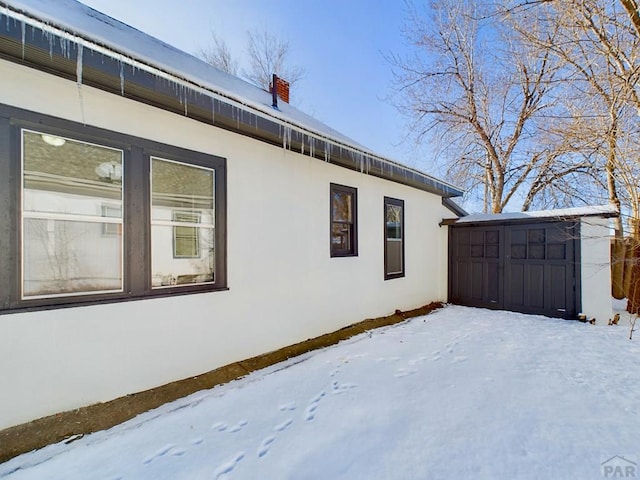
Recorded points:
(352, 251)
(137, 278)
(398, 203)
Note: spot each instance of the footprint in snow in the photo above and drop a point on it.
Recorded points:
(310, 412)
(239, 426)
(403, 372)
(265, 446)
(160, 453)
(417, 361)
(288, 407)
(459, 359)
(229, 466)
(283, 426)
(338, 388)
(219, 426)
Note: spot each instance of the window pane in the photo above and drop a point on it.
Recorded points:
(341, 236)
(68, 188)
(394, 219)
(69, 177)
(556, 251)
(182, 234)
(181, 187)
(394, 256)
(65, 257)
(341, 206)
(168, 269)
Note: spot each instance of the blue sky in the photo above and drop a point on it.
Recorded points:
(339, 43)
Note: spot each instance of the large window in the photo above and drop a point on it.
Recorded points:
(65, 183)
(94, 216)
(344, 227)
(394, 238)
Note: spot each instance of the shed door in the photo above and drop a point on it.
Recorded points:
(529, 268)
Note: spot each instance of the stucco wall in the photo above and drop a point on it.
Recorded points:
(283, 285)
(596, 269)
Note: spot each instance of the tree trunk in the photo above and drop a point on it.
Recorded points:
(618, 249)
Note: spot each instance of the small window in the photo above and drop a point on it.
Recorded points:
(394, 238)
(186, 243)
(182, 223)
(344, 231)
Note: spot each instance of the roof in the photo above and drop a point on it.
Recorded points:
(66, 28)
(606, 211)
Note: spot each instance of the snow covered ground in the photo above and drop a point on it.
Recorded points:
(459, 394)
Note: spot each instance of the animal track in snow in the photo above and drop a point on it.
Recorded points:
(229, 466)
(283, 426)
(219, 426)
(288, 406)
(417, 361)
(337, 388)
(313, 405)
(403, 372)
(238, 426)
(265, 446)
(160, 453)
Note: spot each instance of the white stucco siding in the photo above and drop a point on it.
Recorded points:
(283, 285)
(595, 268)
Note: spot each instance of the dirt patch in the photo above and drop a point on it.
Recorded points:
(74, 424)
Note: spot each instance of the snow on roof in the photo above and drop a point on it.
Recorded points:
(598, 210)
(129, 44)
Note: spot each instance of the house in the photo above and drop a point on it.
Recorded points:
(161, 219)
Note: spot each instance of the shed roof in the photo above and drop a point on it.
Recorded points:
(606, 211)
(70, 27)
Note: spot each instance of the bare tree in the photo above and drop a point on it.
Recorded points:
(268, 54)
(219, 55)
(632, 8)
(473, 80)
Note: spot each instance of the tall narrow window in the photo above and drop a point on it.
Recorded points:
(394, 238)
(182, 223)
(65, 185)
(344, 231)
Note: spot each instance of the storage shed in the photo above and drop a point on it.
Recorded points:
(552, 262)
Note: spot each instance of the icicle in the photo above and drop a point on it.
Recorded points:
(49, 36)
(79, 81)
(79, 65)
(23, 28)
(121, 64)
(213, 112)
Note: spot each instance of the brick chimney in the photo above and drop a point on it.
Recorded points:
(279, 88)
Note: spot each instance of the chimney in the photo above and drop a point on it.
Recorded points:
(279, 88)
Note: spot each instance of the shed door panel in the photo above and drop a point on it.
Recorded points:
(476, 267)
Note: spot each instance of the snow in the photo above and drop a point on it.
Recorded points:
(77, 23)
(596, 210)
(460, 393)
